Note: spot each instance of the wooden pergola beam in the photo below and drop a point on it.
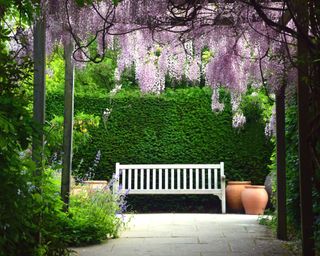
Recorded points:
(305, 161)
(281, 152)
(281, 165)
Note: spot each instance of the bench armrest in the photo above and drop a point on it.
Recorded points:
(223, 177)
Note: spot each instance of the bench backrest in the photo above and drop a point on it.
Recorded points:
(170, 178)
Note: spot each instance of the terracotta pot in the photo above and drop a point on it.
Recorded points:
(254, 199)
(233, 194)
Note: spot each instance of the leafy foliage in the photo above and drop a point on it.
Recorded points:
(31, 217)
(29, 212)
(17, 207)
(98, 79)
(93, 217)
(82, 122)
(292, 175)
(177, 126)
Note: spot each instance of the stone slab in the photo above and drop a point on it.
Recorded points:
(191, 235)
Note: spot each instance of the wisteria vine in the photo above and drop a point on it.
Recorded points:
(168, 37)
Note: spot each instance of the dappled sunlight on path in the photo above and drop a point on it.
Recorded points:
(191, 235)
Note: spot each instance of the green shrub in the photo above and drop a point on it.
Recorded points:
(48, 217)
(35, 210)
(93, 217)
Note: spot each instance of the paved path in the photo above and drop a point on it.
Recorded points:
(191, 235)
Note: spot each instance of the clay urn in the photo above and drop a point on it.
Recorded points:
(254, 199)
(233, 195)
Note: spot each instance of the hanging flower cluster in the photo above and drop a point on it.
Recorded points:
(270, 128)
(238, 120)
(167, 38)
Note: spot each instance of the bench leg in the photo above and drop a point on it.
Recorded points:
(222, 197)
(223, 203)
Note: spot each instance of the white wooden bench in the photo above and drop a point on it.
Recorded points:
(171, 179)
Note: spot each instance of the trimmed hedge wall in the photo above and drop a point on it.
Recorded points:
(177, 126)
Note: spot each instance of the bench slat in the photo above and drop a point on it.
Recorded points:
(166, 179)
(135, 178)
(197, 178)
(154, 179)
(203, 179)
(172, 179)
(209, 179)
(215, 178)
(190, 178)
(130, 179)
(148, 179)
(160, 179)
(169, 166)
(141, 179)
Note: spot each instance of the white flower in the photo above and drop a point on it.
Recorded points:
(105, 115)
(115, 89)
(270, 128)
(238, 120)
(216, 106)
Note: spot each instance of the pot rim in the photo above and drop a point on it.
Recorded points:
(232, 182)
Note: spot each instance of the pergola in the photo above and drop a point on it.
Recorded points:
(305, 165)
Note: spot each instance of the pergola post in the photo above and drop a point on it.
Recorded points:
(39, 91)
(39, 101)
(281, 165)
(305, 161)
(68, 122)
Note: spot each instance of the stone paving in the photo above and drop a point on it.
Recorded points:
(191, 235)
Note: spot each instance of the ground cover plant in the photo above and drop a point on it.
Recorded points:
(93, 217)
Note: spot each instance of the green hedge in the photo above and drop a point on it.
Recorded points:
(175, 127)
